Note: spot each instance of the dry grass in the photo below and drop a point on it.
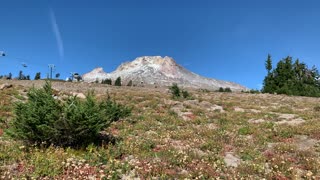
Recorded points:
(167, 138)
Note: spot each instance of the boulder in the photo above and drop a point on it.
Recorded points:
(5, 86)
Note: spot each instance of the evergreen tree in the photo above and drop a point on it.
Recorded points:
(107, 81)
(221, 89)
(10, 76)
(227, 89)
(269, 64)
(118, 82)
(37, 76)
(57, 75)
(21, 76)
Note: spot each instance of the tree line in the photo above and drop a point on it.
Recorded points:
(291, 78)
(22, 76)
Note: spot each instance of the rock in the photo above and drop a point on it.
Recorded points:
(171, 102)
(292, 122)
(304, 143)
(79, 95)
(255, 111)
(188, 116)
(286, 116)
(211, 126)
(184, 172)
(231, 160)
(5, 86)
(256, 121)
(216, 107)
(191, 103)
(205, 104)
(237, 109)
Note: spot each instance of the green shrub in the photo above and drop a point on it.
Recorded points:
(72, 123)
(245, 130)
(185, 94)
(175, 90)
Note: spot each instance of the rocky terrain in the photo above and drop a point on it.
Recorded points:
(159, 71)
(209, 135)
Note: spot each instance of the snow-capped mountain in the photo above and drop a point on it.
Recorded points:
(160, 71)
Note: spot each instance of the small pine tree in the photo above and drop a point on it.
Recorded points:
(109, 81)
(175, 90)
(106, 81)
(21, 76)
(10, 76)
(37, 76)
(221, 89)
(227, 89)
(57, 75)
(118, 82)
(129, 83)
(268, 64)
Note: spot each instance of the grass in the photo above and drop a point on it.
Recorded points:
(156, 142)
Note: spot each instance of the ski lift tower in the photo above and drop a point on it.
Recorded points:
(51, 67)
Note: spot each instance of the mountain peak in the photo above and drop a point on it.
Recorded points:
(152, 61)
(159, 70)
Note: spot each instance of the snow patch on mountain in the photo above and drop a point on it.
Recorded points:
(157, 70)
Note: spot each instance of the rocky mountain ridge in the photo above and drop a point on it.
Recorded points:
(160, 71)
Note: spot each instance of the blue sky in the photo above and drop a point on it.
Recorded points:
(227, 40)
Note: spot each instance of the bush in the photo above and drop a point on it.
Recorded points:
(175, 90)
(316, 108)
(185, 94)
(177, 93)
(72, 123)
